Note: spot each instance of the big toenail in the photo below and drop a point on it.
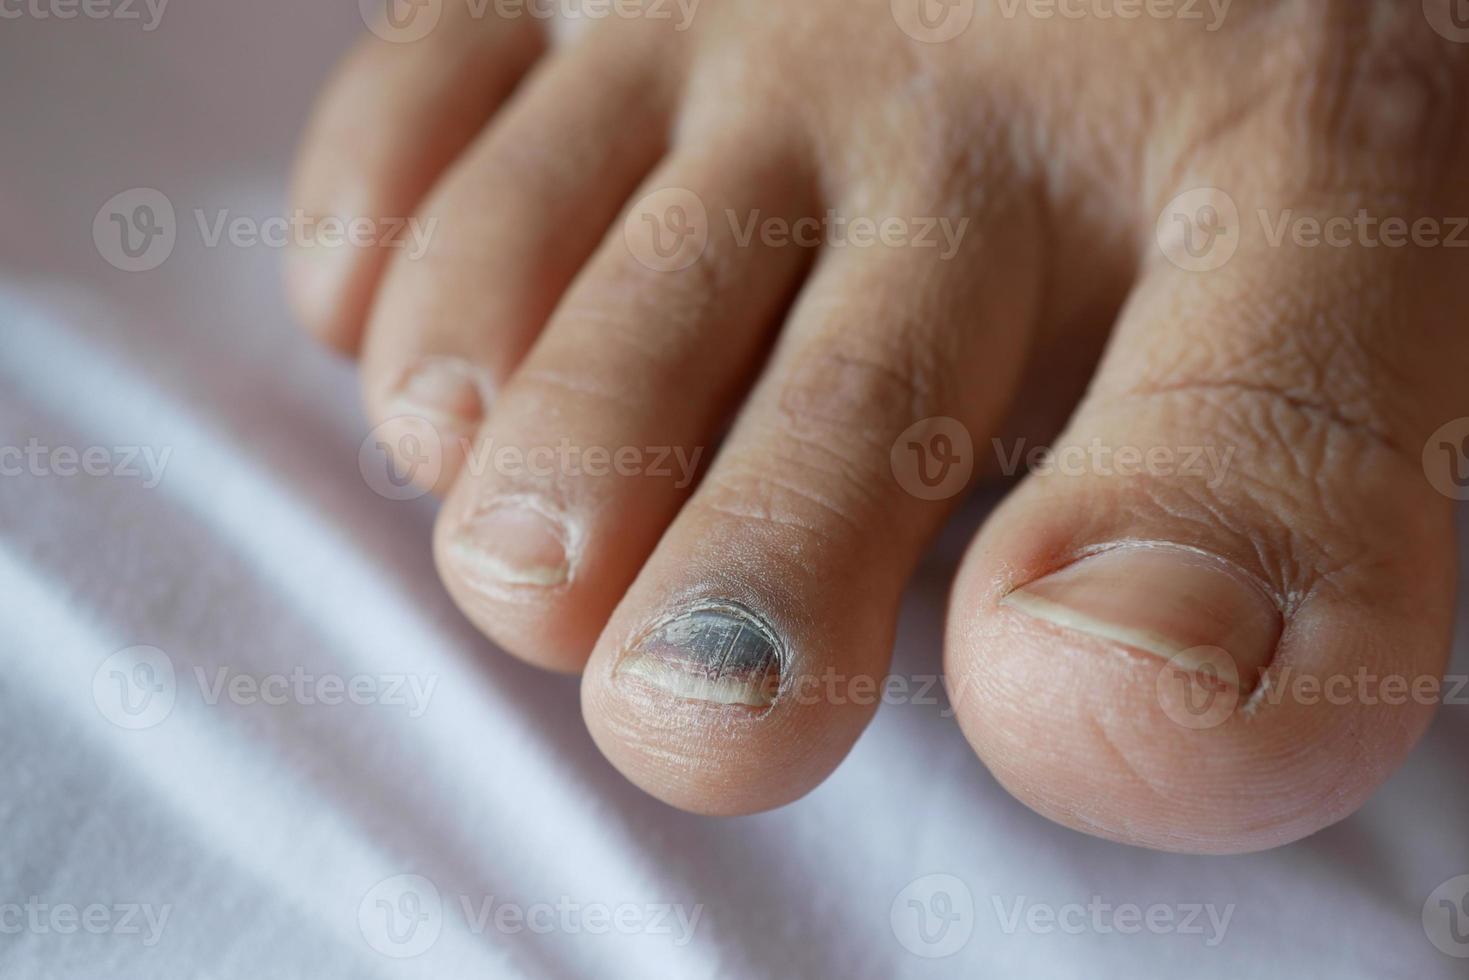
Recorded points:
(447, 391)
(720, 653)
(513, 543)
(1161, 599)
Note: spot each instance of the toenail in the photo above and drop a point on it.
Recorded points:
(513, 543)
(721, 653)
(1162, 599)
(447, 391)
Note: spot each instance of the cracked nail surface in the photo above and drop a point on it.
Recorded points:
(720, 653)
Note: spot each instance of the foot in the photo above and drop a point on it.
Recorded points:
(843, 241)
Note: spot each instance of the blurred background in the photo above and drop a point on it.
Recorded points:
(195, 571)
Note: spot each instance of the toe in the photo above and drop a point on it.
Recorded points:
(393, 119)
(747, 657)
(1212, 618)
(598, 438)
(513, 222)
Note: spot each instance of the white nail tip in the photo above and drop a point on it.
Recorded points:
(694, 687)
(1067, 618)
(479, 565)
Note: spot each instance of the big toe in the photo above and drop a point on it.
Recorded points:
(1216, 617)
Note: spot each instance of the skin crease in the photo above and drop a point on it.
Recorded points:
(1061, 140)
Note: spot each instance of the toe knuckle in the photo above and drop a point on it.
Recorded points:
(1271, 367)
(527, 171)
(1372, 82)
(564, 391)
(1345, 96)
(792, 484)
(863, 388)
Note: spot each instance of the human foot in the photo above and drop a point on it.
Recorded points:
(612, 270)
